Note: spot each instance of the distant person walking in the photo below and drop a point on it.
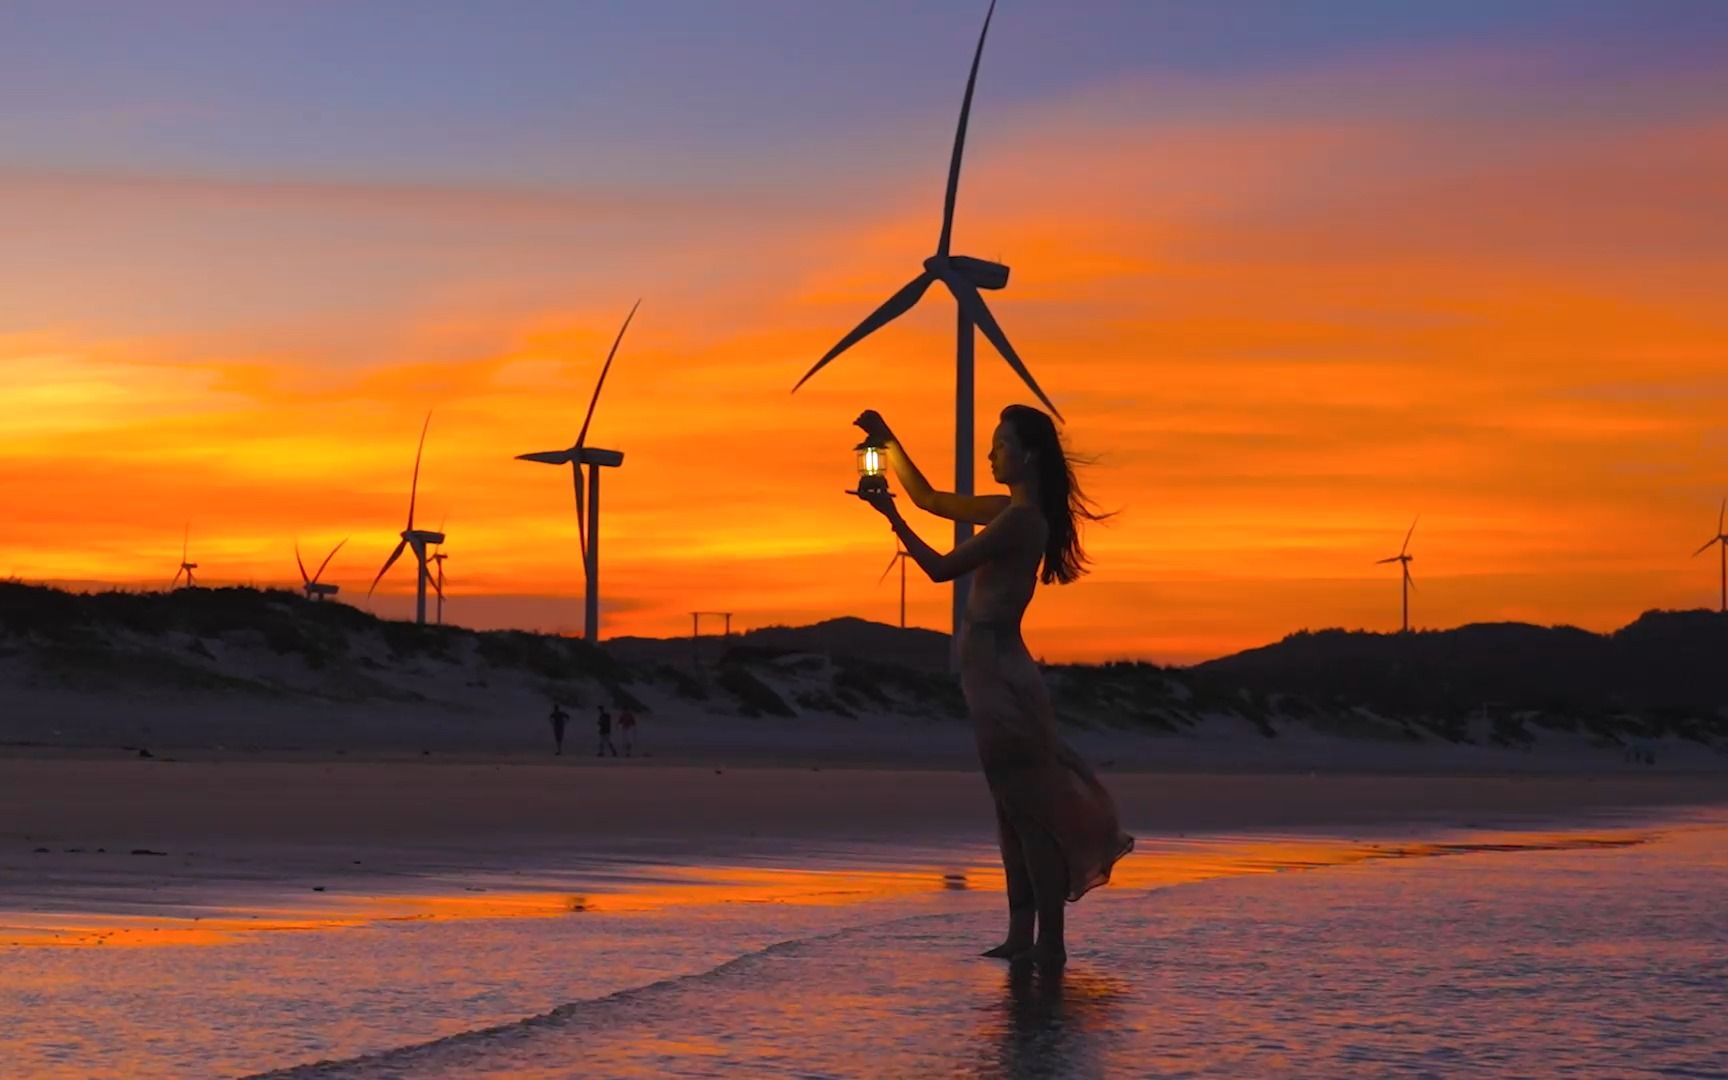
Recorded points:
(559, 718)
(604, 724)
(1056, 825)
(627, 728)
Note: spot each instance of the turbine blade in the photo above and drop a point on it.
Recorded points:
(1408, 580)
(388, 563)
(894, 307)
(1708, 544)
(175, 583)
(304, 580)
(327, 559)
(595, 400)
(966, 294)
(960, 139)
(581, 517)
(547, 457)
(414, 487)
(890, 569)
(1377, 562)
(1407, 535)
(186, 538)
(1719, 516)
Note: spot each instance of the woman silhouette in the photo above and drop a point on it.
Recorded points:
(1055, 822)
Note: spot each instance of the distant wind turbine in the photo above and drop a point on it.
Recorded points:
(577, 457)
(186, 567)
(1721, 538)
(963, 276)
(438, 583)
(1404, 557)
(309, 584)
(414, 538)
(900, 556)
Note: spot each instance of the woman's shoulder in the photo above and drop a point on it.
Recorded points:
(1024, 517)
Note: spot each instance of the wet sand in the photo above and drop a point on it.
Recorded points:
(78, 832)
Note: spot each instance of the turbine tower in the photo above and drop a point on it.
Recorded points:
(900, 555)
(582, 455)
(1404, 557)
(186, 568)
(963, 276)
(309, 584)
(418, 539)
(1721, 538)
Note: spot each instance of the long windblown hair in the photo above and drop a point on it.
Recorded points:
(1060, 498)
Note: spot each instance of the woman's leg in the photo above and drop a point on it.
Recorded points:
(1022, 901)
(1048, 871)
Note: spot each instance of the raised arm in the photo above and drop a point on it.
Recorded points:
(1009, 534)
(977, 509)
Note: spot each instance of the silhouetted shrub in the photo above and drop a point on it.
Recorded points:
(684, 684)
(755, 696)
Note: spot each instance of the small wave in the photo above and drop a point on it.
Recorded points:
(404, 1060)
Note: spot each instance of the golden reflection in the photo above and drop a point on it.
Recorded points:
(1051, 1020)
(1157, 863)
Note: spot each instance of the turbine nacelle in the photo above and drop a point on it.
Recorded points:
(982, 273)
(576, 455)
(319, 589)
(421, 537)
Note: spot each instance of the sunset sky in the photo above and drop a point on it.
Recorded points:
(1294, 273)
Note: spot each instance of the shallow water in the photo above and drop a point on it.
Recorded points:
(1567, 955)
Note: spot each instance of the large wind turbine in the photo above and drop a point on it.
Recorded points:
(588, 516)
(414, 538)
(1404, 557)
(900, 556)
(309, 583)
(963, 276)
(1721, 538)
(186, 568)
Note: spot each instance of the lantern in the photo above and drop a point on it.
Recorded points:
(872, 461)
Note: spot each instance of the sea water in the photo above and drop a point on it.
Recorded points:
(1488, 954)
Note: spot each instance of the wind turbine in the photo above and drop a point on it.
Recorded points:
(414, 538)
(1404, 557)
(588, 510)
(900, 555)
(310, 585)
(963, 276)
(438, 583)
(186, 568)
(1721, 537)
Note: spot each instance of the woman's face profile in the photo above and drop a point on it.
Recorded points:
(1007, 457)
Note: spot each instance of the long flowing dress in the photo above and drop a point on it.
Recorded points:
(1039, 783)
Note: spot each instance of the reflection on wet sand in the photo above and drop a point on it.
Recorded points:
(647, 887)
(1051, 1021)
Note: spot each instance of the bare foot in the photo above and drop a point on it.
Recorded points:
(1009, 949)
(1044, 954)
